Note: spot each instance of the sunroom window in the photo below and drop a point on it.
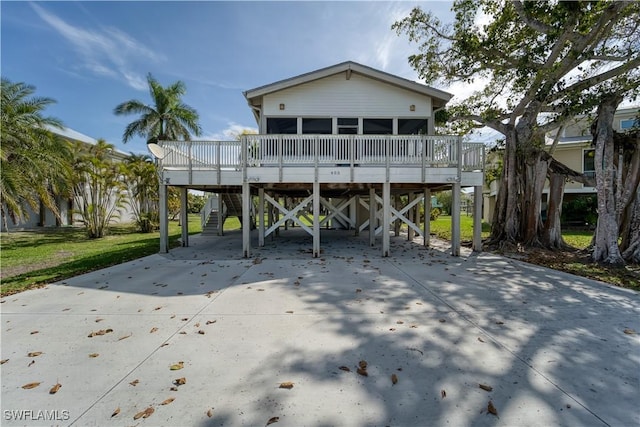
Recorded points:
(288, 125)
(377, 126)
(312, 125)
(412, 126)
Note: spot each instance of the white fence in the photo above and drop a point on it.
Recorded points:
(324, 150)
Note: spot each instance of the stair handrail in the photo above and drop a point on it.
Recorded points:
(212, 201)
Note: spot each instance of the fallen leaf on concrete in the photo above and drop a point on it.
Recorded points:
(400, 322)
(344, 368)
(287, 384)
(34, 332)
(629, 331)
(3, 361)
(153, 330)
(29, 386)
(492, 409)
(98, 320)
(55, 388)
(197, 325)
(273, 420)
(100, 332)
(124, 337)
(116, 412)
(358, 290)
(34, 354)
(135, 382)
(442, 320)
(177, 366)
(167, 401)
(173, 388)
(210, 322)
(157, 308)
(144, 414)
(180, 381)
(31, 363)
(485, 387)
(363, 372)
(443, 394)
(201, 332)
(499, 322)
(210, 413)
(94, 355)
(289, 312)
(480, 339)
(363, 364)
(394, 379)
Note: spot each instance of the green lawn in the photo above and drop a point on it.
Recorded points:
(30, 258)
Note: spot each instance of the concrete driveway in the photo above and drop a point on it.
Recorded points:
(550, 347)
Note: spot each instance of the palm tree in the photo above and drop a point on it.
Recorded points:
(141, 177)
(34, 161)
(167, 119)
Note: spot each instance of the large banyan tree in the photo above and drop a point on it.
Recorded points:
(541, 63)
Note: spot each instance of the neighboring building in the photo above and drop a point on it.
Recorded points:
(44, 217)
(574, 150)
(345, 140)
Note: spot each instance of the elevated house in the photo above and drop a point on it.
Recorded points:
(337, 144)
(576, 151)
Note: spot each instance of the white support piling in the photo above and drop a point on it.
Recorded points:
(386, 217)
(455, 219)
(316, 219)
(184, 216)
(426, 229)
(246, 219)
(164, 219)
(477, 218)
(261, 216)
(373, 204)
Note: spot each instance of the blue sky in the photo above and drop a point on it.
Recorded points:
(91, 56)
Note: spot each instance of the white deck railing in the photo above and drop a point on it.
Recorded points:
(325, 150)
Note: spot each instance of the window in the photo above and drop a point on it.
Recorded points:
(322, 126)
(629, 123)
(347, 126)
(412, 126)
(377, 126)
(287, 125)
(588, 163)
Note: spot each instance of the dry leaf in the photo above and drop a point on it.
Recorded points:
(209, 322)
(100, 332)
(443, 393)
(363, 364)
(31, 363)
(34, 354)
(399, 322)
(153, 330)
(167, 401)
(197, 325)
(3, 361)
(210, 413)
(394, 379)
(273, 420)
(99, 320)
(344, 368)
(55, 388)
(34, 332)
(180, 381)
(116, 412)
(499, 322)
(629, 331)
(177, 366)
(135, 382)
(358, 290)
(30, 386)
(442, 320)
(289, 311)
(144, 414)
(173, 388)
(288, 385)
(157, 308)
(201, 332)
(492, 409)
(485, 387)
(480, 339)
(94, 355)
(125, 337)
(362, 372)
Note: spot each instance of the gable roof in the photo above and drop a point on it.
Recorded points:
(439, 97)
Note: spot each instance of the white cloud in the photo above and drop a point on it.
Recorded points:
(104, 51)
(230, 133)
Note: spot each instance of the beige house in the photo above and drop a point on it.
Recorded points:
(337, 144)
(575, 151)
(44, 217)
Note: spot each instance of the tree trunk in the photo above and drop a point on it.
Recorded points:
(632, 237)
(606, 248)
(552, 232)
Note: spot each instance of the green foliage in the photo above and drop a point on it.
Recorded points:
(167, 119)
(141, 179)
(435, 213)
(580, 209)
(445, 199)
(196, 202)
(98, 187)
(34, 161)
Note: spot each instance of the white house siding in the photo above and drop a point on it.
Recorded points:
(335, 96)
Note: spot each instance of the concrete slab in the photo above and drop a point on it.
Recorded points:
(552, 346)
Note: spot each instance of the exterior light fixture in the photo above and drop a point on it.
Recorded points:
(282, 106)
(412, 107)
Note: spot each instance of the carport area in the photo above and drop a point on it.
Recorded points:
(219, 334)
